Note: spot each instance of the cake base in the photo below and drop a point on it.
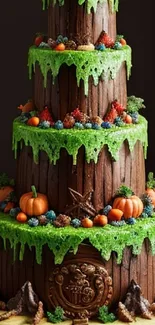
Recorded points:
(52, 282)
(26, 320)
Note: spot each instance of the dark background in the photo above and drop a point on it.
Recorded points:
(20, 20)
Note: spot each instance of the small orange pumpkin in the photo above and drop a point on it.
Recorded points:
(33, 121)
(21, 217)
(150, 187)
(100, 220)
(4, 192)
(128, 119)
(115, 214)
(33, 203)
(87, 223)
(60, 47)
(130, 204)
(151, 193)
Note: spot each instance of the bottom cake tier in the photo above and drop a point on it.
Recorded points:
(83, 280)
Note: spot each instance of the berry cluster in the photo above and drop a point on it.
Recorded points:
(116, 116)
(62, 43)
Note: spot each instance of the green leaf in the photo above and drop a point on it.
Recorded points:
(57, 316)
(151, 181)
(105, 316)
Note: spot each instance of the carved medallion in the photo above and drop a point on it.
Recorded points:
(80, 287)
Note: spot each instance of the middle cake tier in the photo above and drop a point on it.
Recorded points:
(88, 80)
(96, 161)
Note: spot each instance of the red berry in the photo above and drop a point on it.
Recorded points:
(38, 40)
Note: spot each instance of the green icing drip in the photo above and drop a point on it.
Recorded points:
(104, 64)
(51, 141)
(60, 241)
(90, 4)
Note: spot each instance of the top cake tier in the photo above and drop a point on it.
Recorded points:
(82, 18)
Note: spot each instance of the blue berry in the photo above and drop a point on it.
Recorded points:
(33, 222)
(76, 223)
(59, 39)
(65, 39)
(88, 125)
(79, 126)
(14, 211)
(144, 215)
(58, 125)
(96, 126)
(118, 121)
(148, 210)
(131, 221)
(100, 47)
(44, 45)
(106, 125)
(118, 46)
(106, 209)
(118, 223)
(44, 125)
(50, 215)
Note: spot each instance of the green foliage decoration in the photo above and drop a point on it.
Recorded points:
(105, 316)
(134, 104)
(57, 316)
(106, 239)
(89, 3)
(51, 140)
(151, 181)
(88, 63)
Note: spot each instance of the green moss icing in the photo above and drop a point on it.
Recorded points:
(90, 4)
(61, 240)
(104, 64)
(51, 140)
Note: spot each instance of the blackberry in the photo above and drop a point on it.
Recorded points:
(106, 125)
(33, 222)
(131, 221)
(118, 223)
(106, 209)
(76, 223)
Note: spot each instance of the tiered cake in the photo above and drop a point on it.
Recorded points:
(79, 167)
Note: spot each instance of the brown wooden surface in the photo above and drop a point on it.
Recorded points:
(14, 274)
(103, 178)
(64, 96)
(72, 19)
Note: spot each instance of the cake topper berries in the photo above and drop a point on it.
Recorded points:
(45, 115)
(105, 39)
(38, 39)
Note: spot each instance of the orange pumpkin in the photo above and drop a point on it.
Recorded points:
(151, 193)
(131, 207)
(33, 203)
(100, 220)
(115, 214)
(4, 192)
(33, 121)
(87, 223)
(128, 119)
(21, 217)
